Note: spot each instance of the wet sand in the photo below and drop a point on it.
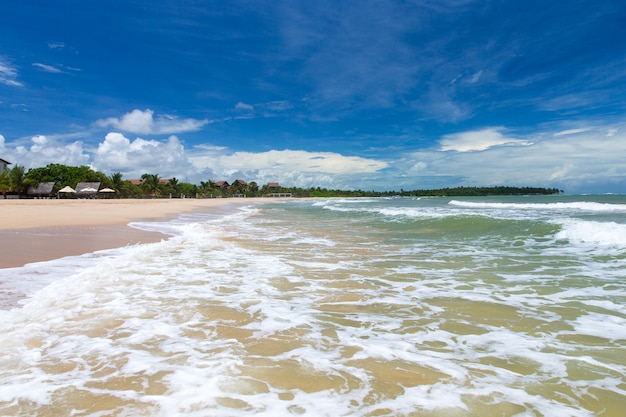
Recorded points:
(41, 230)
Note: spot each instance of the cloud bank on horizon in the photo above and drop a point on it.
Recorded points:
(382, 95)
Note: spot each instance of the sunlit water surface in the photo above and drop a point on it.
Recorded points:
(503, 306)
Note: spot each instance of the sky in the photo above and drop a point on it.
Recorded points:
(370, 95)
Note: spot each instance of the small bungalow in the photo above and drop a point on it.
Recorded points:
(41, 190)
(273, 185)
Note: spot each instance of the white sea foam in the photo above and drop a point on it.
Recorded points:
(415, 213)
(601, 325)
(560, 206)
(592, 232)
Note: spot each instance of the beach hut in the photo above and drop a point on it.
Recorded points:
(41, 190)
(106, 192)
(66, 191)
(87, 189)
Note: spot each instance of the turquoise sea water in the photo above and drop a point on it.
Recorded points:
(502, 306)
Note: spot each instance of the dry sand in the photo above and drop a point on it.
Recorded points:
(41, 230)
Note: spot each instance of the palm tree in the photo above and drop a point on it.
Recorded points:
(253, 187)
(237, 187)
(117, 182)
(17, 179)
(151, 184)
(174, 186)
(206, 188)
(4, 183)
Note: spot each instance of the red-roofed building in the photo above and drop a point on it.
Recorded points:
(222, 185)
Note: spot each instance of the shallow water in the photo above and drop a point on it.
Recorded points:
(374, 307)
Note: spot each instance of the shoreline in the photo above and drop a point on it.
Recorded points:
(43, 230)
(24, 246)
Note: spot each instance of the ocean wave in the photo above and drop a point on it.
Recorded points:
(592, 232)
(394, 212)
(414, 213)
(324, 203)
(579, 205)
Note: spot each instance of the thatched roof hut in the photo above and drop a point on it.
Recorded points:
(87, 189)
(43, 189)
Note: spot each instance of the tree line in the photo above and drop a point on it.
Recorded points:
(17, 181)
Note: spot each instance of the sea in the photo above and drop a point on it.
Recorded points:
(482, 306)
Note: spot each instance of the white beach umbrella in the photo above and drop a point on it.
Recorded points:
(88, 190)
(107, 190)
(67, 189)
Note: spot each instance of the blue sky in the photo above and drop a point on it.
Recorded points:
(377, 95)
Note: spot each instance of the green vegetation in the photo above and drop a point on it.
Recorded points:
(14, 180)
(484, 191)
(442, 192)
(17, 181)
(63, 175)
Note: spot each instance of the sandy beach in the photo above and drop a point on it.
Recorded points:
(41, 230)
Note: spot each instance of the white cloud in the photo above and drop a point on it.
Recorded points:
(244, 106)
(477, 140)
(133, 158)
(476, 77)
(43, 150)
(584, 162)
(439, 104)
(47, 68)
(562, 172)
(19, 106)
(143, 123)
(266, 109)
(418, 167)
(347, 67)
(587, 161)
(291, 161)
(8, 73)
(290, 167)
(2, 148)
(276, 106)
(571, 131)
